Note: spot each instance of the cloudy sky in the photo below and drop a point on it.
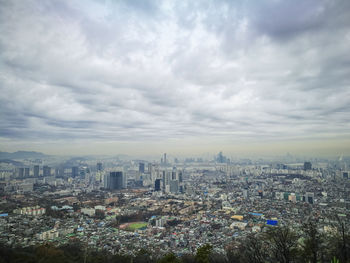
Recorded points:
(144, 77)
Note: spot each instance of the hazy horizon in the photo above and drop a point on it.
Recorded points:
(156, 150)
(186, 78)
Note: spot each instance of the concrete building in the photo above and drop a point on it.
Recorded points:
(157, 185)
(307, 166)
(46, 170)
(21, 172)
(141, 167)
(174, 186)
(75, 171)
(114, 181)
(36, 170)
(26, 172)
(99, 167)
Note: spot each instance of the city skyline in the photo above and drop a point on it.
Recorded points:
(148, 77)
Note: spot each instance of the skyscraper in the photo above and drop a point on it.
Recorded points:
(26, 172)
(141, 167)
(21, 172)
(46, 170)
(99, 166)
(307, 166)
(36, 170)
(75, 171)
(115, 181)
(157, 185)
(173, 175)
(174, 186)
(180, 177)
(163, 180)
(59, 172)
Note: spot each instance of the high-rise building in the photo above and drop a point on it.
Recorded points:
(307, 166)
(163, 180)
(46, 170)
(115, 181)
(21, 172)
(345, 175)
(220, 158)
(157, 185)
(180, 177)
(164, 159)
(181, 189)
(141, 167)
(125, 180)
(36, 170)
(26, 172)
(75, 171)
(99, 167)
(174, 186)
(106, 181)
(59, 172)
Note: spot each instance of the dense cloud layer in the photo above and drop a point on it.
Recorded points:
(159, 70)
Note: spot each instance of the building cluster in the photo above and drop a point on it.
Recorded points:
(122, 206)
(34, 211)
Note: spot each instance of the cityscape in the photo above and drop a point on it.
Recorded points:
(160, 131)
(121, 205)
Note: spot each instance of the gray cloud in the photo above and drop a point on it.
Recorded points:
(149, 70)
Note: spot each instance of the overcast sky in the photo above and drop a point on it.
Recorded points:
(142, 77)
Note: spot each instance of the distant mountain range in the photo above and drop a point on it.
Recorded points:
(22, 155)
(15, 163)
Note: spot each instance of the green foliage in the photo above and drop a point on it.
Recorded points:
(188, 258)
(335, 260)
(136, 225)
(143, 256)
(203, 253)
(312, 244)
(169, 258)
(49, 254)
(277, 244)
(233, 255)
(118, 258)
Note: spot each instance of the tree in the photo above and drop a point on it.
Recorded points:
(118, 258)
(283, 244)
(143, 256)
(233, 255)
(341, 241)
(49, 254)
(253, 250)
(188, 258)
(312, 245)
(203, 253)
(217, 258)
(169, 258)
(73, 251)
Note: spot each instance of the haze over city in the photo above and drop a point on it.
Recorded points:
(160, 131)
(184, 77)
